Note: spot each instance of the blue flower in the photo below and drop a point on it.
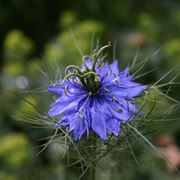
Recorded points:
(96, 98)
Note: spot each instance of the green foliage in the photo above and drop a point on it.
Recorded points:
(64, 51)
(15, 150)
(17, 46)
(148, 25)
(4, 175)
(173, 49)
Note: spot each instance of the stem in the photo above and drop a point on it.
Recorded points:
(93, 173)
(93, 165)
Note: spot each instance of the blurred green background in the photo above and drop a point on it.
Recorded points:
(35, 36)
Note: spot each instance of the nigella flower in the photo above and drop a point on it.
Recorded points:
(96, 97)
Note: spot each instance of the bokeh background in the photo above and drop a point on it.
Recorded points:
(40, 37)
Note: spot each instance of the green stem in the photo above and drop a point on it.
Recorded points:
(93, 173)
(93, 165)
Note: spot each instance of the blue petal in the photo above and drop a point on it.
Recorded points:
(64, 104)
(126, 92)
(98, 124)
(88, 63)
(124, 74)
(78, 126)
(126, 82)
(118, 112)
(64, 121)
(126, 104)
(121, 114)
(57, 89)
(132, 91)
(113, 126)
(114, 67)
(104, 70)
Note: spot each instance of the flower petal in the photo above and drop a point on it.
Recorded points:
(78, 126)
(126, 92)
(64, 104)
(88, 63)
(98, 124)
(113, 126)
(114, 67)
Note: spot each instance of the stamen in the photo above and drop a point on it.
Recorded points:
(66, 90)
(106, 75)
(81, 114)
(114, 75)
(106, 89)
(101, 65)
(114, 99)
(118, 110)
(110, 68)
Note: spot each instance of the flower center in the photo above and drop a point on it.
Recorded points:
(89, 77)
(91, 83)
